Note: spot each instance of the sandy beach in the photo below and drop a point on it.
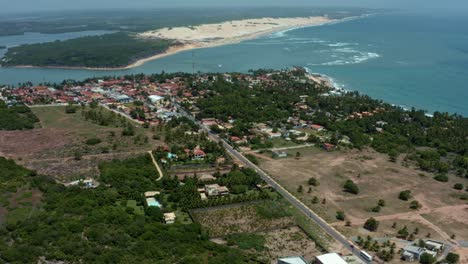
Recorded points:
(229, 32)
(232, 31)
(212, 35)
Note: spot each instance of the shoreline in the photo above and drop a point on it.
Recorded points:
(189, 46)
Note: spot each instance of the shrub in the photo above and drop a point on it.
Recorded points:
(441, 178)
(381, 203)
(340, 215)
(415, 205)
(405, 195)
(239, 189)
(427, 258)
(376, 209)
(371, 224)
(93, 141)
(70, 109)
(452, 258)
(351, 187)
(403, 233)
(300, 189)
(313, 181)
(252, 159)
(458, 186)
(315, 200)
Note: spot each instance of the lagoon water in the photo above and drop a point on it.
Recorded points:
(407, 59)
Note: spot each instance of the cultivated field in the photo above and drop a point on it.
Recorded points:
(443, 213)
(58, 146)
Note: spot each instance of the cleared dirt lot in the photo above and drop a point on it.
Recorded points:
(282, 237)
(442, 211)
(221, 221)
(51, 149)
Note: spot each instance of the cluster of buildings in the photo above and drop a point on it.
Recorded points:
(410, 253)
(414, 253)
(115, 93)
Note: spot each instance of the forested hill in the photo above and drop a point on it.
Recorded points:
(106, 51)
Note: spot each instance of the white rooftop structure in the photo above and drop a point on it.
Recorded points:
(292, 260)
(434, 245)
(169, 218)
(330, 258)
(151, 194)
(155, 98)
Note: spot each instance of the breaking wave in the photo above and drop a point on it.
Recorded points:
(356, 59)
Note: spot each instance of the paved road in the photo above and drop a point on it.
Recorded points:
(286, 194)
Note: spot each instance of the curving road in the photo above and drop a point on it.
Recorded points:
(286, 194)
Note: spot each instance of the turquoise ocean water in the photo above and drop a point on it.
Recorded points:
(408, 59)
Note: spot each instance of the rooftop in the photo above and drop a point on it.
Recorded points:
(292, 260)
(331, 258)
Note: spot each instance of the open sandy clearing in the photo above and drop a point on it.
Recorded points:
(232, 31)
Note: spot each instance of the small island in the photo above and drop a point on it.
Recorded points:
(2, 47)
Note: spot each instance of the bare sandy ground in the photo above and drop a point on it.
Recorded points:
(232, 31)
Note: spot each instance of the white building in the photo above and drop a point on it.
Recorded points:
(169, 218)
(155, 99)
(330, 258)
(434, 245)
(414, 253)
(292, 260)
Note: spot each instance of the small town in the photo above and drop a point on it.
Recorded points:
(214, 156)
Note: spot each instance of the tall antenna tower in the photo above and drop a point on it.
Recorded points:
(193, 62)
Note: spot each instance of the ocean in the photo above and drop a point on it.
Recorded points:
(408, 59)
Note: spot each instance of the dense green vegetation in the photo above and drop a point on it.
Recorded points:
(16, 117)
(110, 50)
(434, 143)
(92, 225)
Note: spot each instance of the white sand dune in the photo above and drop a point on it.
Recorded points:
(232, 31)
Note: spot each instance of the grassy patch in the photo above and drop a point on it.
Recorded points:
(247, 241)
(138, 210)
(271, 210)
(19, 214)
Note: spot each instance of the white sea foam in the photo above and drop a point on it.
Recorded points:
(341, 44)
(345, 50)
(356, 59)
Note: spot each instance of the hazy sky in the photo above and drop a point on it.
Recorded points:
(9, 6)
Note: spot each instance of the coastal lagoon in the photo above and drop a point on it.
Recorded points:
(408, 59)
